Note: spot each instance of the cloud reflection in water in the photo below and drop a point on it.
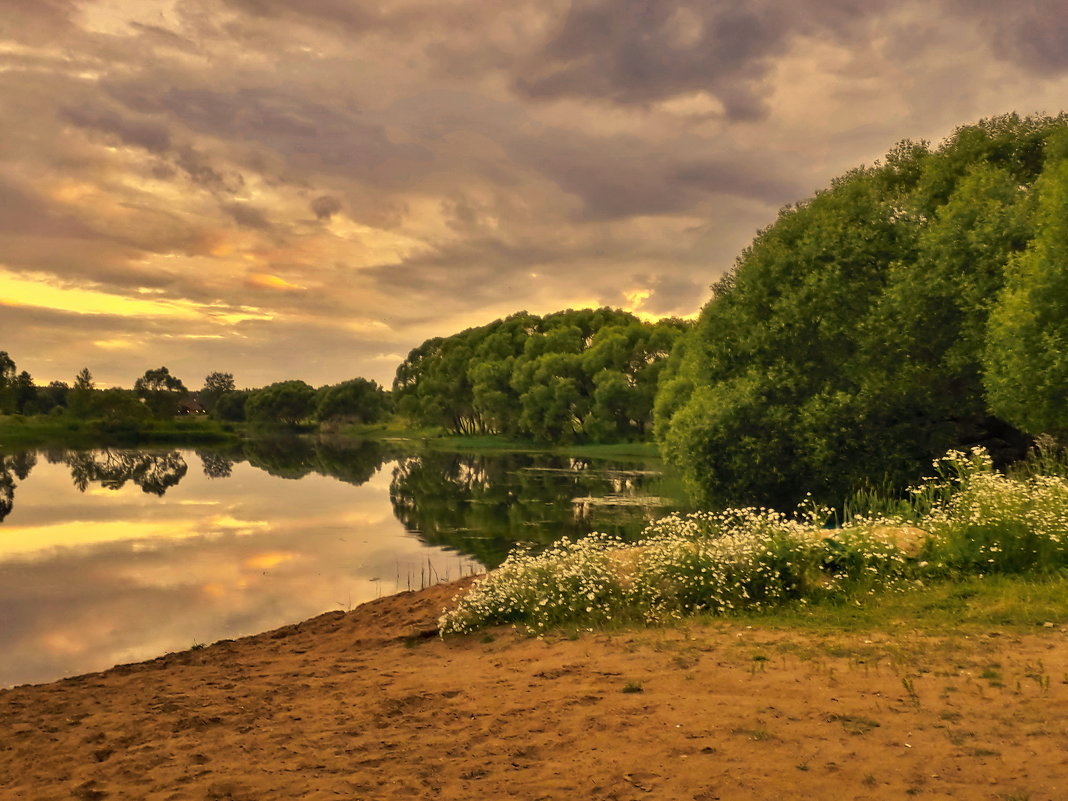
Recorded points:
(91, 580)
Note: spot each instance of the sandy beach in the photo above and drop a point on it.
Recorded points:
(370, 704)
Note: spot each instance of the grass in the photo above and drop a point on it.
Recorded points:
(967, 530)
(969, 604)
(437, 438)
(855, 724)
(16, 430)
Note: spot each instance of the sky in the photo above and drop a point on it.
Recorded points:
(310, 189)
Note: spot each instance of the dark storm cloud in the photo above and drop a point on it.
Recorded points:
(353, 16)
(36, 20)
(623, 176)
(483, 263)
(308, 134)
(147, 134)
(1032, 34)
(164, 37)
(27, 214)
(248, 216)
(29, 322)
(643, 51)
(325, 206)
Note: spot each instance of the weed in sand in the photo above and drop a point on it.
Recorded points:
(759, 734)
(910, 688)
(855, 724)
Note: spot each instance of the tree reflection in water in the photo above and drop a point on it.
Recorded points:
(216, 465)
(486, 504)
(154, 473)
(481, 505)
(351, 461)
(13, 466)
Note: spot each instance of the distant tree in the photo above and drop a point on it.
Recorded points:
(7, 383)
(119, 405)
(286, 403)
(577, 374)
(161, 391)
(80, 398)
(230, 406)
(358, 401)
(25, 394)
(54, 396)
(84, 380)
(215, 386)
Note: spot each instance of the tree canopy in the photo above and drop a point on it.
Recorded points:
(216, 385)
(574, 375)
(285, 402)
(912, 306)
(357, 400)
(161, 391)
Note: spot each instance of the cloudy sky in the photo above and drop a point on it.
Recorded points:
(309, 189)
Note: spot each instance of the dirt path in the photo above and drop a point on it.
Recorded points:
(344, 706)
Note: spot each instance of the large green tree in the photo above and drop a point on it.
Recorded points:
(216, 385)
(587, 374)
(7, 383)
(1026, 354)
(850, 340)
(80, 397)
(285, 403)
(161, 391)
(358, 400)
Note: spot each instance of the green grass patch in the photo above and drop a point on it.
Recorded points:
(439, 439)
(967, 605)
(19, 431)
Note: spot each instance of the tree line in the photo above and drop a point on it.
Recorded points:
(158, 394)
(589, 375)
(913, 306)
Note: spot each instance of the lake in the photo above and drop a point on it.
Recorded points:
(118, 555)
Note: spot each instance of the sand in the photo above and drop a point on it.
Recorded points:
(370, 705)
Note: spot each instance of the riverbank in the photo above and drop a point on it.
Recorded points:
(69, 432)
(41, 430)
(437, 438)
(369, 704)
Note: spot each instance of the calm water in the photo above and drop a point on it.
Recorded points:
(111, 556)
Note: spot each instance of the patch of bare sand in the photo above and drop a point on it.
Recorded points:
(361, 706)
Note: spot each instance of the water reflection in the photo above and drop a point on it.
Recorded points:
(155, 472)
(12, 467)
(483, 504)
(115, 555)
(152, 472)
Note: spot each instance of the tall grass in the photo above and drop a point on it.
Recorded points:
(964, 520)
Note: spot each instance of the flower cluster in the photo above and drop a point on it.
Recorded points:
(967, 518)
